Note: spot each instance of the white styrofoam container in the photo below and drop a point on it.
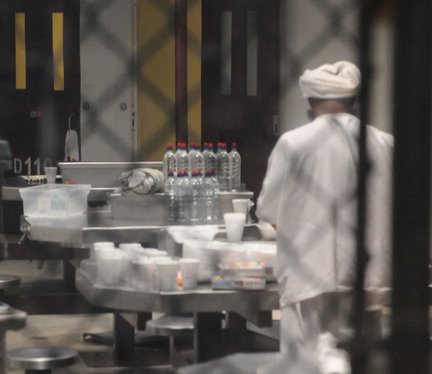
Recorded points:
(55, 200)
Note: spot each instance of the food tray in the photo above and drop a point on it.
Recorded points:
(241, 270)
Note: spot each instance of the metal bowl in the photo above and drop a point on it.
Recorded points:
(41, 358)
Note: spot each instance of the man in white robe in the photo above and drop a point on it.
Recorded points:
(309, 194)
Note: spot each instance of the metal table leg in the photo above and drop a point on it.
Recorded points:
(207, 339)
(124, 339)
(236, 328)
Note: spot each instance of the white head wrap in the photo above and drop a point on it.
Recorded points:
(338, 80)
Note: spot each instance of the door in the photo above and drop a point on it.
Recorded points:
(240, 80)
(39, 79)
(107, 80)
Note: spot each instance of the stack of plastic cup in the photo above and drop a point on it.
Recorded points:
(189, 272)
(166, 274)
(234, 223)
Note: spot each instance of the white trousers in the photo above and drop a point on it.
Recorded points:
(301, 326)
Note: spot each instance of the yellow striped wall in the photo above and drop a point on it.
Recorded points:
(156, 80)
(20, 52)
(21, 55)
(194, 70)
(58, 58)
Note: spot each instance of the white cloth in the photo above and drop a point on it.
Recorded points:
(142, 181)
(309, 193)
(304, 341)
(338, 80)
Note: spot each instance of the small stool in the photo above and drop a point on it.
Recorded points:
(41, 360)
(10, 319)
(7, 281)
(172, 326)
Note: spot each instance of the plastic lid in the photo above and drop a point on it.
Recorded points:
(130, 245)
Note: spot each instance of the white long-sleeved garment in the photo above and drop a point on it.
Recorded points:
(309, 192)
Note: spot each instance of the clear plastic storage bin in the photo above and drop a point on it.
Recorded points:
(55, 200)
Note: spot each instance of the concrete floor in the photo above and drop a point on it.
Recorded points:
(66, 330)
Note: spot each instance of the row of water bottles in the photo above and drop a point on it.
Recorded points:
(194, 178)
(192, 200)
(225, 165)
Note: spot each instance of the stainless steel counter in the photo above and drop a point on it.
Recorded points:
(82, 230)
(203, 299)
(204, 305)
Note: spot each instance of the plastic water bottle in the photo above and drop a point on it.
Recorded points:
(211, 198)
(181, 157)
(196, 190)
(169, 162)
(196, 159)
(223, 167)
(235, 167)
(209, 158)
(205, 151)
(181, 197)
(169, 188)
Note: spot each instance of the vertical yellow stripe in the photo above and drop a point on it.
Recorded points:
(58, 61)
(194, 70)
(20, 52)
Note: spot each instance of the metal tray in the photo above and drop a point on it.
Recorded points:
(101, 174)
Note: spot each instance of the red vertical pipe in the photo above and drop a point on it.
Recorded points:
(181, 101)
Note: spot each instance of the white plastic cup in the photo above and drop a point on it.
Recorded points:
(111, 267)
(143, 274)
(240, 205)
(189, 272)
(51, 174)
(167, 275)
(234, 223)
(100, 245)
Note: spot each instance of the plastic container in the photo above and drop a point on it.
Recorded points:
(55, 200)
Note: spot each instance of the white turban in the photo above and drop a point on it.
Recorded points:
(338, 80)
